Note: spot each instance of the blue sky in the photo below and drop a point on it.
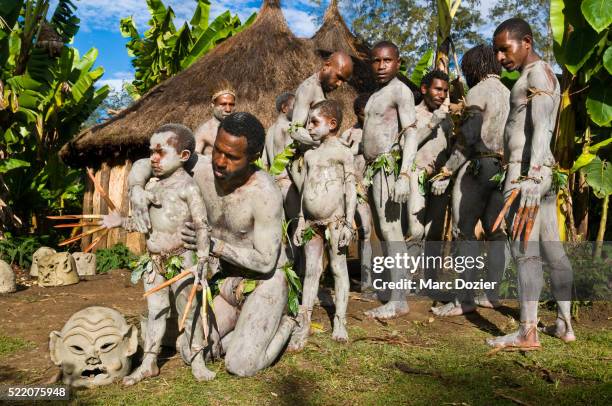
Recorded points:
(100, 26)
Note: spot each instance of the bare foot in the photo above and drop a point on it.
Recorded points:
(147, 369)
(182, 346)
(561, 329)
(525, 338)
(389, 310)
(299, 337)
(483, 301)
(368, 294)
(199, 370)
(340, 334)
(453, 309)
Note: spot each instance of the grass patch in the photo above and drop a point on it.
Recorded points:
(9, 345)
(414, 366)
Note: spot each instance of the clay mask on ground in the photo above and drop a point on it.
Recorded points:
(94, 347)
(57, 270)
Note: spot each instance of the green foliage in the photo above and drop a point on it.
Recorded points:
(46, 92)
(18, 250)
(282, 160)
(140, 265)
(559, 179)
(598, 13)
(295, 289)
(499, 178)
(9, 345)
(423, 66)
(173, 266)
(599, 177)
(390, 163)
(412, 25)
(116, 257)
(308, 234)
(163, 51)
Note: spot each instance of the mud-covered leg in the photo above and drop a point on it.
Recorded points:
(561, 273)
(158, 307)
(337, 260)
(365, 248)
(468, 205)
(530, 278)
(388, 222)
(262, 329)
(313, 255)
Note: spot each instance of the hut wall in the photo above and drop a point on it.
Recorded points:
(114, 180)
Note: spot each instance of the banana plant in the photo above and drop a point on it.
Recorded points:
(582, 46)
(47, 90)
(163, 51)
(446, 12)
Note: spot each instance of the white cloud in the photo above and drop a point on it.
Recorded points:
(116, 80)
(301, 23)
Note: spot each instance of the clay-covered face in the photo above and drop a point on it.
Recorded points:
(509, 51)
(435, 94)
(94, 347)
(85, 263)
(385, 64)
(36, 257)
(223, 106)
(57, 270)
(230, 160)
(165, 159)
(319, 126)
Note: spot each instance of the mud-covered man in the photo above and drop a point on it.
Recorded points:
(245, 211)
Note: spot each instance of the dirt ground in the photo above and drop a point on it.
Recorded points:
(33, 312)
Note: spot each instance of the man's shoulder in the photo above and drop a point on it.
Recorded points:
(263, 190)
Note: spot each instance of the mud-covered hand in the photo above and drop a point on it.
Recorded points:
(346, 236)
(438, 187)
(141, 199)
(112, 220)
(401, 190)
(189, 236)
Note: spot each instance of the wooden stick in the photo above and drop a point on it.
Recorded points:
(167, 283)
(192, 294)
(516, 222)
(86, 224)
(101, 190)
(78, 237)
(532, 216)
(502, 213)
(76, 216)
(95, 241)
(522, 222)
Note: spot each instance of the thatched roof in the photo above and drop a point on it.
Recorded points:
(260, 62)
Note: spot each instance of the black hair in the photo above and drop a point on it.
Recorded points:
(183, 140)
(246, 125)
(360, 102)
(516, 27)
(283, 99)
(427, 80)
(330, 109)
(386, 44)
(479, 62)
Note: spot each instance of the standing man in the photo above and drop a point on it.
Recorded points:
(245, 210)
(336, 70)
(222, 103)
(475, 196)
(534, 101)
(389, 114)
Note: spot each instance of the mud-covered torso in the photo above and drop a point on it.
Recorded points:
(323, 191)
(381, 126)
(169, 216)
(433, 153)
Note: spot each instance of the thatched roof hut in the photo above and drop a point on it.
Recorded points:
(260, 62)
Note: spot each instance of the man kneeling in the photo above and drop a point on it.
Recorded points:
(245, 210)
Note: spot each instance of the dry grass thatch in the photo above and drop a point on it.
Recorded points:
(260, 62)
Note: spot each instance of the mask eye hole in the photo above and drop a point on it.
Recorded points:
(107, 347)
(76, 349)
